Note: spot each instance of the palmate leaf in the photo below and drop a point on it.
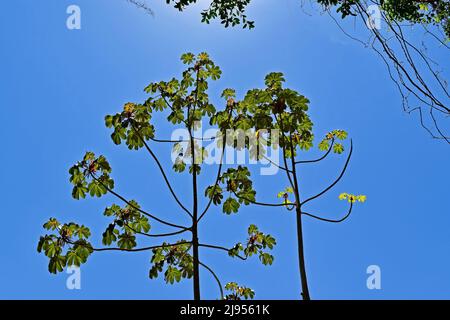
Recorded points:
(56, 264)
(172, 274)
(238, 292)
(52, 249)
(324, 145)
(266, 258)
(96, 189)
(126, 241)
(141, 224)
(51, 224)
(79, 191)
(179, 165)
(187, 58)
(110, 235)
(230, 206)
(83, 232)
(214, 192)
(73, 259)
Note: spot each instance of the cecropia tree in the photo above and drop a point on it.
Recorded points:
(277, 117)
(186, 102)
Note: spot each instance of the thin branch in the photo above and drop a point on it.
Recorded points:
(162, 172)
(319, 159)
(136, 208)
(179, 141)
(335, 181)
(275, 164)
(219, 171)
(264, 203)
(157, 235)
(132, 250)
(330, 220)
(215, 277)
(280, 124)
(220, 248)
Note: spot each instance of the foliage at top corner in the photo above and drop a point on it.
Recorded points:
(232, 12)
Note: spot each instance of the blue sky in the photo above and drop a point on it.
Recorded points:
(56, 85)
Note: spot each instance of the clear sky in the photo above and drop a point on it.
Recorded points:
(56, 85)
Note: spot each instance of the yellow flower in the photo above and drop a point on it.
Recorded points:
(352, 198)
(343, 196)
(362, 198)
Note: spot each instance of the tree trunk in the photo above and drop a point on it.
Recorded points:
(301, 256)
(196, 265)
(196, 277)
(298, 211)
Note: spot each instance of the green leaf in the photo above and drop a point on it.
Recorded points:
(79, 191)
(51, 224)
(52, 249)
(141, 224)
(96, 189)
(73, 259)
(172, 274)
(126, 241)
(338, 148)
(228, 93)
(266, 259)
(110, 235)
(83, 232)
(230, 206)
(324, 145)
(56, 264)
(187, 58)
(179, 165)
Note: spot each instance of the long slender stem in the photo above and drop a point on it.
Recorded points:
(330, 220)
(222, 297)
(335, 181)
(136, 208)
(221, 248)
(195, 255)
(157, 235)
(322, 157)
(301, 255)
(134, 249)
(158, 163)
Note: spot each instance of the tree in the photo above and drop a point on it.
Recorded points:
(232, 12)
(187, 102)
(279, 118)
(415, 73)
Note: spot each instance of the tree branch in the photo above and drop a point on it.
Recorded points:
(157, 235)
(219, 171)
(220, 248)
(215, 277)
(330, 220)
(277, 165)
(336, 181)
(319, 159)
(136, 208)
(263, 203)
(162, 172)
(178, 141)
(132, 250)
